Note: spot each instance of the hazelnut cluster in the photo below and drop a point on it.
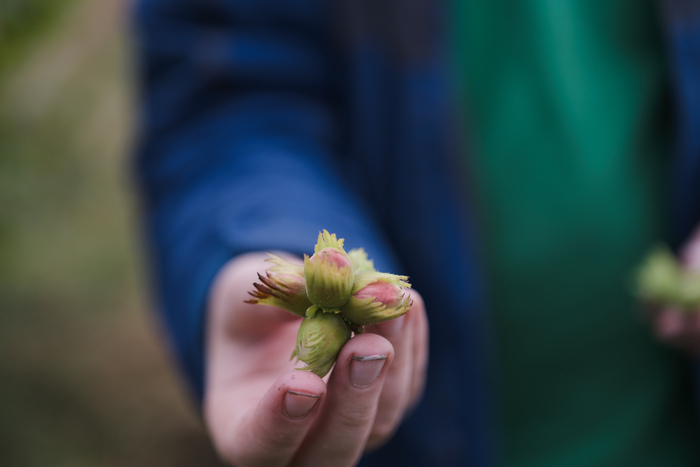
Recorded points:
(336, 293)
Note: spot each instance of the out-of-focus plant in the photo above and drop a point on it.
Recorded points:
(663, 281)
(20, 22)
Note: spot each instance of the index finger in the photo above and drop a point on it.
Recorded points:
(340, 434)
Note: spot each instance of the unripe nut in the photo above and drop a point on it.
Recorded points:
(329, 278)
(376, 297)
(319, 342)
(282, 286)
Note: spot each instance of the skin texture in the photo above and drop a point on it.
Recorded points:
(678, 328)
(262, 412)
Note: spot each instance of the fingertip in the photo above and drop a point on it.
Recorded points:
(364, 345)
(364, 360)
(297, 404)
(365, 370)
(389, 329)
(299, 393)
(417, 299)
(395, 327)
(295, 395)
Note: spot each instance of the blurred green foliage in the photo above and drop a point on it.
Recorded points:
(84, 378)
(21, 21)
(62, 148)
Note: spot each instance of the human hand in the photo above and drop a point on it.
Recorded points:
(262, 412)
(676, 327)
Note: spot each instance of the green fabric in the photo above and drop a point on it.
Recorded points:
(569, 154)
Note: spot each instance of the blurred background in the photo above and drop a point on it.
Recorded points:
(84, 377)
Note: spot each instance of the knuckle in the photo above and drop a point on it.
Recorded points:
(355, 419)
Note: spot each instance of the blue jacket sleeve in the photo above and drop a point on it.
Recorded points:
(238, 148)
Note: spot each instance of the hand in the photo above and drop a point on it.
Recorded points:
(262, 412)
(679, 328)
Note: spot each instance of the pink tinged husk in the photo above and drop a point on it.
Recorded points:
(282, 286)
(376, 297)
(319, 341)
(329, 278)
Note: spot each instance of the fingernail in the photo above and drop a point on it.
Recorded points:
(299, 404)
(365, 370)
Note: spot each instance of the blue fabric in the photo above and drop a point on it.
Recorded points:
(263, 122)
(682, 19)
